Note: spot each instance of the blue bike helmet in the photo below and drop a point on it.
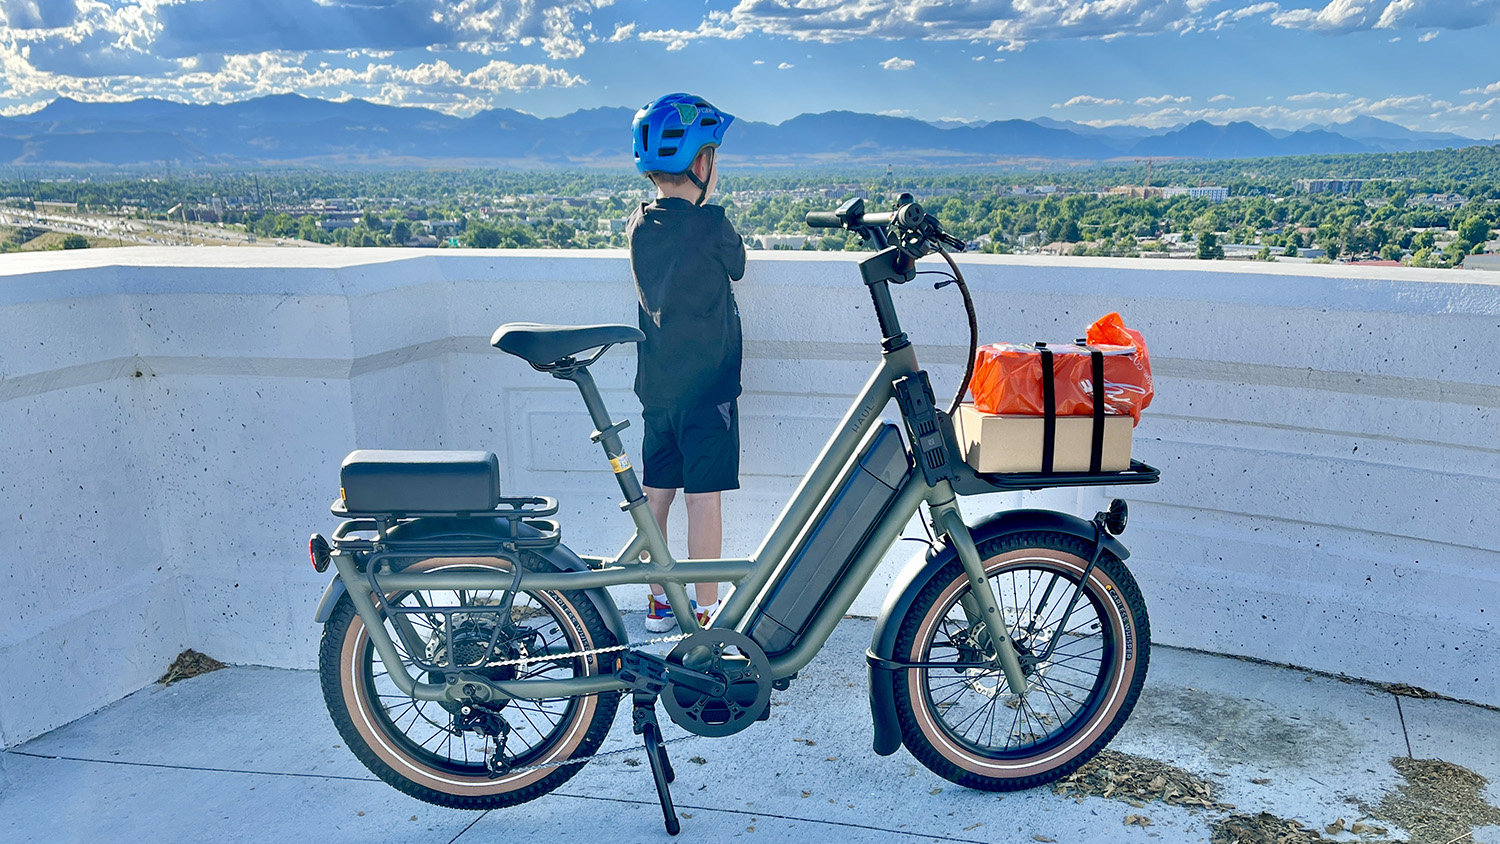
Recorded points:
(669, 131)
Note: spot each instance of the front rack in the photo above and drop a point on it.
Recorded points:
(968, 482)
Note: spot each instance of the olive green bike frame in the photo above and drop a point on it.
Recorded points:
(646, 559)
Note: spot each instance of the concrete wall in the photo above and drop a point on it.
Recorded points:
(171, 423)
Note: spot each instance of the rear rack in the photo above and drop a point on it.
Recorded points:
(527, 529)
(530, 511)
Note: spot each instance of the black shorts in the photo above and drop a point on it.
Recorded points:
(695, 449)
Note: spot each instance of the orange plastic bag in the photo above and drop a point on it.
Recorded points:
(1008, 376)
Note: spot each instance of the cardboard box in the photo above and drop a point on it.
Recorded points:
(1009, 443)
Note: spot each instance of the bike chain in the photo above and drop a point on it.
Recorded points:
(660, 640)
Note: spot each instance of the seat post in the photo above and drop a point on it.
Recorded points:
(606, 433)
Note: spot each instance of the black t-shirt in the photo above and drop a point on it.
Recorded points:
(683, 257)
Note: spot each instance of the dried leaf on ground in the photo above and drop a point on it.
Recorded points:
(1439, 803)
(189, 663)
(1136, 779)
(1044, 839)
(1404, 690)
(1137, 820)
(1264, 828)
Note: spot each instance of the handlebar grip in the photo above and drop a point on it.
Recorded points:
(824, 220)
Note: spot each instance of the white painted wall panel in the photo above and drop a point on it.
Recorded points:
(1328, 437)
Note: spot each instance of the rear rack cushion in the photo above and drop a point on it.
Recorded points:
(410, 481)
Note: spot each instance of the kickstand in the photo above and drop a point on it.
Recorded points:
(648, 728)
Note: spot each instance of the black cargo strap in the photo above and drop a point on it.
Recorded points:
(1049, 409)
(1096, 449)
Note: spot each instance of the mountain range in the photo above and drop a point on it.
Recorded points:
(292, 129)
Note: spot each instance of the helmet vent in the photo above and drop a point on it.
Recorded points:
(666, 152)
(644, 146)
(671, 133)
(708, 121)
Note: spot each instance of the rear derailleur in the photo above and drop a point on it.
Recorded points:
(473, 717)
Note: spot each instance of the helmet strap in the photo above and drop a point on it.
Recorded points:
(702, 184)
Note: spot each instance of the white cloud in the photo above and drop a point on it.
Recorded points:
(1354, 15)
(1162, 100)
(436, 84)
(1488, 89)
(1220, 98)
(785, 66)
(1427, 36)
(623, 31)
(1424, 110)
(759, 61)
(895, 63)
(1440, 14)
(1085, 99)
(147, 36)
(1315, 96)
(1008, 23)
(1337, 16)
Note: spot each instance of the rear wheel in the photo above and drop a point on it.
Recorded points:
(964, 723)
(430, 750)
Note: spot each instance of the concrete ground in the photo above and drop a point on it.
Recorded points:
(249, 754)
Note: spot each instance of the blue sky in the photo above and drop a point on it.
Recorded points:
(1426, 64)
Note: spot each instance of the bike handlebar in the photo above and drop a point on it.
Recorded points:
(917, 232)
(824, 220)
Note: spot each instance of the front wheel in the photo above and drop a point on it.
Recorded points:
(964, 723)
(430, 750)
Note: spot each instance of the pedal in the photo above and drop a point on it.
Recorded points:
(646, 725)
(644, 674)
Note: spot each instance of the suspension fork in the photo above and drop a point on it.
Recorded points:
(980, 605)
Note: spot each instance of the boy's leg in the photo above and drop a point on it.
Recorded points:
(661, 477)
(705, 536)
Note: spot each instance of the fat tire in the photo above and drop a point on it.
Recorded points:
(345, 621)
(1130, 641)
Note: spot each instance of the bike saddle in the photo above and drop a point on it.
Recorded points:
(546, 345)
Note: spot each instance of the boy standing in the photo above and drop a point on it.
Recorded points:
(683, 255)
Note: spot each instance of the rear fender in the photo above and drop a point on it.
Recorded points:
(919, 572)
(441, 528)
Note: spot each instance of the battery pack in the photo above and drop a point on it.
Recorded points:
(828, 549)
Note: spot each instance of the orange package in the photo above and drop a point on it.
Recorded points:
(1008, 376)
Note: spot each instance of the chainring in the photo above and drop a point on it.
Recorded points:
(746, 676)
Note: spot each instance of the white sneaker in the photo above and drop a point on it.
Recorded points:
(659, 618)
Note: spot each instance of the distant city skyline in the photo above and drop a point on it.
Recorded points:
(1426, 64)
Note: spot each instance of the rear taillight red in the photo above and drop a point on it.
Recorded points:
(317, 552)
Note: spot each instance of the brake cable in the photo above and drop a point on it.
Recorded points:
(963, 288)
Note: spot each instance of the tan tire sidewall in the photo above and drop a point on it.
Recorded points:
(357, 701)
(1118, 688)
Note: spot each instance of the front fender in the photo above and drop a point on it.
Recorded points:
(437, 528)
(919, 572)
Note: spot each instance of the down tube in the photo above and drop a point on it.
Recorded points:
(870, 556)
(829, 465)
